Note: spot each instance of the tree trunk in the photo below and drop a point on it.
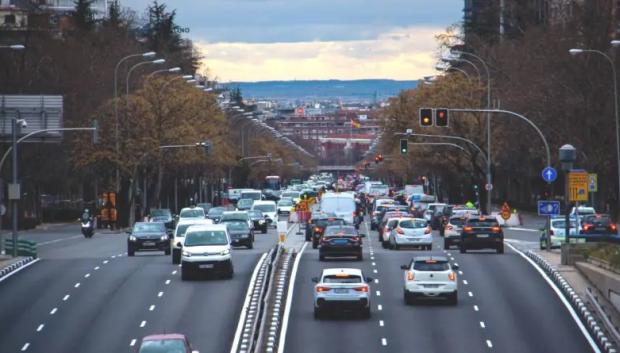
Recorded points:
(158, 184)
(132, 197)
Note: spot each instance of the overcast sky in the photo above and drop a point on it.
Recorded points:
(257, 40)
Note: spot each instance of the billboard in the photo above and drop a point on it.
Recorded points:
(40, 112)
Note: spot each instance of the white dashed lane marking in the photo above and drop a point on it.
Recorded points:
(379, 307)
(97, 268)
(152, 307)
(482, 325)
(105, 262)
(465, 281)
(378, 293)
(476, 308)
(87, 275)
(40, 327)
(461, 273)
(375, 271)
(384, 342)
(489, 343)
(64, 299)
(376, 280)
(381, 323)
(174, 272)
(77, 285)
(160, 294)
(25, 347)
(143, 323)
(132, 343)
(53, 311)
(470, 294)
(167, 281)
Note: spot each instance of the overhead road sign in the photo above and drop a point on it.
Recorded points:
(578, 185)
(548, 208)
(549, 174)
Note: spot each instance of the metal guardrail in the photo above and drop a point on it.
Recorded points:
(24, 247)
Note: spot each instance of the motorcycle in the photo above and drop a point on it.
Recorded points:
(87, 228)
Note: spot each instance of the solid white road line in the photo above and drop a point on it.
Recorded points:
(132, 343)
(482, 325)
(476, 308)
(53, 311)
(523, 229)
(570, 309)
(246, 305)
(58, 240)
(143, 323)
(19, 269)
(289, 300)
(381, 323)
(152, 307)
(40, 327)
(489, 343)
(384, 342)
(67, 296)
(25, 347)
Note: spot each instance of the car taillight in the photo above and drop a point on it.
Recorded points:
(361, 289)
(467, 229)
(613, 227)
(452, 276)
(399, 230)
(321, 289)
(496, 229)
(410, 276)
(587, 226)
(449, 227)
(428, 230)
(317, 229)
(355, 238)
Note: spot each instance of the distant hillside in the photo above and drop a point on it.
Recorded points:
(354, 90)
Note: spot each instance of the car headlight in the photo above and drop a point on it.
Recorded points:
(163, 237)
(187, 254)
(225, 252)
(261, 221)
(132, 238)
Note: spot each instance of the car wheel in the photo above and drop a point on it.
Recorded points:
(384, 244)
(408, 298)
(176, 257)
(185, 275)
(167, 251)
(250, 244)
(360, 257)
(264, 230)
(446, 245)
(131, 252)
(230, 272)
(317, 313)
(453, 298)
(500, 249)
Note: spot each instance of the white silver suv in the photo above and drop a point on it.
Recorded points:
(430, 277)
(206, 248)
(179, 235)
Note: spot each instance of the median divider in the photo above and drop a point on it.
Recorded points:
(25, 247)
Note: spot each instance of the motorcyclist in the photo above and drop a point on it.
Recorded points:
(86, 216)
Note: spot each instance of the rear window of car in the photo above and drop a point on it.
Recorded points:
(216, 211)
(162, 346)
(148, 228)
(431, 265)
(181, 229)
(342, 279)
(599, 219)
(410, 224)
(340, 231)
(392, 223)
(238, 226)
(487, 222)
(241, 216)
(192, 213)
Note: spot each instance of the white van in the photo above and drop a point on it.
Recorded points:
(340, 204)
(179, 235)
(255, 195)
(206, 248)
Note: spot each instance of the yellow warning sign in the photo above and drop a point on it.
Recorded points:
(578, 186)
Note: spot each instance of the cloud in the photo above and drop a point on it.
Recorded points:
(401, 53)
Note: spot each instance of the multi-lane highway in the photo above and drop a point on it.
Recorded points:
(86, 295)
(504, 306)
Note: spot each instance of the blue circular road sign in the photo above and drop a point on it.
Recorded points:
(549, 174)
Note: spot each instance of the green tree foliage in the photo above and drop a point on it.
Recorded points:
(83, 16)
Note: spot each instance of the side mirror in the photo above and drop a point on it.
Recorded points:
(362, 235)
(368, 279)
(315, 279)
(404, 267)
(128, 232)
(179, 245)
(455, 267)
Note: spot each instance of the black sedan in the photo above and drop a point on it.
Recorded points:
(258, 219)
(482, 232)
(341, 241)
(215, 214)
(240, 234)
(148, 236)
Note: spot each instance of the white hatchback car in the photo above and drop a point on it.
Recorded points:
(206, 248)
(341, 288)
(411, 232)
(430, 277)
(179, 235)
(192, 212)
(269, 209)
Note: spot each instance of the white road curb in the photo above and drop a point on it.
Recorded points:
(289, 300)
(16, 267)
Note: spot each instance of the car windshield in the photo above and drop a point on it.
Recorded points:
(238, 226)
(486, 222)
(457, 221)
(242, 216)
(251, 195)
(338, 204)
(265, 208)
(206, 237)
(192, 213)
(255, 214)
(163, 346)
(148, 228)
(181, 229)
(329, 222)
(160, 213)
(285, 203)
(342, 278)
(598, 219)
(245, 203)
(431, 265)
(411, 224)
(216, 211)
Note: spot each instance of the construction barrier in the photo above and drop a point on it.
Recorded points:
(24, 247)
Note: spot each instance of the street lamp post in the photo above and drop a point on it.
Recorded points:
(128, 79)
(615, 44)
(13, 47)
(116, 124)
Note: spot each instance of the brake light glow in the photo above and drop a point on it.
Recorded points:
(317, 229)
(399, 230)
(452, 276)
(467, 229)
(587, 226)
(496, 229)
(355, 238)
(428, 230)
(361, 289)
(613, 227)
(321, 289)
(449, 227)
(410, 276)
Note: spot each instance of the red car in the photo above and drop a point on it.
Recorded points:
(166, 343)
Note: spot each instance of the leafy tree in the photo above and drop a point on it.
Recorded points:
(83, 16)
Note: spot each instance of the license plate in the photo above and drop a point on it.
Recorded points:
(341, 290)
(149, 243)
(206, 266)
(483, 235)
(341, 242)
(413, 239)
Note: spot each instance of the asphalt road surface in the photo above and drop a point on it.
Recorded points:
(504, 306)
(86, 295)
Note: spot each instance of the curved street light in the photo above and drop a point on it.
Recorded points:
(154, 62)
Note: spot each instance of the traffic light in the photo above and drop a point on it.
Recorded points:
(426, 117)
(206, 145)
(441, 117)
(404, 146)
